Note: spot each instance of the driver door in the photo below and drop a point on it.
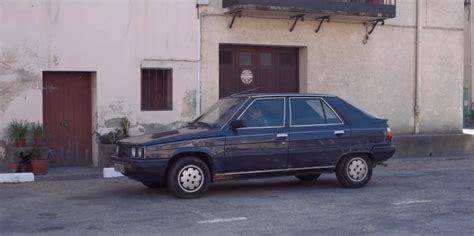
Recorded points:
(262, 145)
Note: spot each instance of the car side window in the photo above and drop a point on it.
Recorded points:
(331, 117)
(265, 113)
(311, 111)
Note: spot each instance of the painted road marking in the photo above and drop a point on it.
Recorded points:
(219, 220)
(407, 202)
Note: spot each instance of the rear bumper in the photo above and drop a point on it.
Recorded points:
(146, 170)
(382, 153)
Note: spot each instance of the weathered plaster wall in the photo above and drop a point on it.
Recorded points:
(378, 76)
(111, 38)
(467, 51)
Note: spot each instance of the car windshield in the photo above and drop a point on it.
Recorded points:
(219, 113)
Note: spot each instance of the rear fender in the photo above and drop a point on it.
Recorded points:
(355, 152)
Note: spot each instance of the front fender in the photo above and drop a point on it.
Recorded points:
(213, 147)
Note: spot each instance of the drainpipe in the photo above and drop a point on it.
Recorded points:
(198, 88)
(418, 66)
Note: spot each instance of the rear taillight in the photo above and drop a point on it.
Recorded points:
(389, 135)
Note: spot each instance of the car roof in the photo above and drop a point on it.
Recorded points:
(254, 95)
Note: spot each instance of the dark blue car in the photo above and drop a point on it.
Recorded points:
(260, 135)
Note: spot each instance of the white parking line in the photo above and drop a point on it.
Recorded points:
(221, 220)
(407, 202)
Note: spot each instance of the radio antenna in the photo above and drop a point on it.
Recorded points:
(244, 92)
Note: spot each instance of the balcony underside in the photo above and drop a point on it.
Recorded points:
(338, 11)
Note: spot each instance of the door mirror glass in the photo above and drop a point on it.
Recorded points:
(237, 124)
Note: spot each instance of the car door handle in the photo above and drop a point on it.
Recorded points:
(282, 136)
(339, 132)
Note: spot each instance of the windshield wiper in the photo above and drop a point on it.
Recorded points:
(204, 124)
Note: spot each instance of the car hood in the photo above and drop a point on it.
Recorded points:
(176, 135)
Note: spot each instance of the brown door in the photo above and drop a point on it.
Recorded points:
(67, 116)
(270, 69)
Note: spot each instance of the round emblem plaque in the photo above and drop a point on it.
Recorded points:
(246, 77)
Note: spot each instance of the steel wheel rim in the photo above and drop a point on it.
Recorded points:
(357, 169)
(190, 178)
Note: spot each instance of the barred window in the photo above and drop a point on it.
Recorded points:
(157, 90)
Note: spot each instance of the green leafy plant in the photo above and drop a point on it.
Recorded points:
(38, 130)
(18, 129)
(125, 126)
(40, 153)
(111, 137)
(115, 135)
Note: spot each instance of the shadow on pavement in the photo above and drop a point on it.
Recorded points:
(250, 187)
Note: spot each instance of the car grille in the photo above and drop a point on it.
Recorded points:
(125, 151)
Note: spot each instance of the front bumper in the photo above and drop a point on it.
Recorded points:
(143, 170)
(382, 153)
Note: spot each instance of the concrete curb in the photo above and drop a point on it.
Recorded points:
(434, 145)
(17, 177)
(66, 177)
(111, 173)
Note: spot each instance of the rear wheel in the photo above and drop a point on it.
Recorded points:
(354, 171)
(307, 178)
(188, 177)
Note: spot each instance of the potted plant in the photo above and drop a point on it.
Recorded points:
(107, 141)
(13, 161)
(39, 160)
(38, 133)
(18, 130)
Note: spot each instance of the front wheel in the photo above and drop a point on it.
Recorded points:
(354, 171)
(188, 177)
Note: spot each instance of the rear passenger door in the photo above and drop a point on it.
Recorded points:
(317, 135)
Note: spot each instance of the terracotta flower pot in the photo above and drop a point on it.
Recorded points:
(38, 140)
(12, 167)
(39, 167)
(20, 142)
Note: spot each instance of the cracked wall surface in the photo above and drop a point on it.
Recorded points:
(62, 35)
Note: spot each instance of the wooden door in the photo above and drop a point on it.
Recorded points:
(270, 69)
(67, 116)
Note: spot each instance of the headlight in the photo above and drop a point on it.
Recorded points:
(141, 152)
(138, 152)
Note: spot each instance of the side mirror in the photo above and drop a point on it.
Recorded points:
(236, 124)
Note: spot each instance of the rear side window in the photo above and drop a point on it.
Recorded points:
(311, 111)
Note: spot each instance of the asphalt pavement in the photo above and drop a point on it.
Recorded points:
(410, 196)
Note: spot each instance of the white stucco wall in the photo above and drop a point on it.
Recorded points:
(378, 76)
(115, 38)
(109, 37)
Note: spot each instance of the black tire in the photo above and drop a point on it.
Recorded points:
(354, 171)
(188, 177)
(154, 184)
(307, 178)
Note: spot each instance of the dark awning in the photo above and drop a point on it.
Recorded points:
(338, 10)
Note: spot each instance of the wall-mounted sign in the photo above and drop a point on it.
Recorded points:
(246, 77)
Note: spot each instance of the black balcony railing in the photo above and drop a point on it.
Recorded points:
(381, 2)
(351, 10)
